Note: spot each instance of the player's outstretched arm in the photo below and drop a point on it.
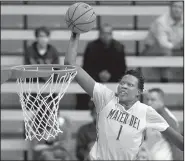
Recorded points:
(175, 137)
(82, 77)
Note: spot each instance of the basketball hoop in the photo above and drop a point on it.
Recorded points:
(41, 87)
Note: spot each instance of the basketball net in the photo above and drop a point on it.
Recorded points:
(40, 103)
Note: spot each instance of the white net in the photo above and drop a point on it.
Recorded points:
(40, 99)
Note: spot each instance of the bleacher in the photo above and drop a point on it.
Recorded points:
(130, 21)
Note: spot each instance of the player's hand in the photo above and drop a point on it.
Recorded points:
(104, 76)
(75, 35)
(73, 43)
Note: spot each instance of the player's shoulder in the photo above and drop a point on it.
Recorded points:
(97, 84)
(140, 109)
(143, 105)
(102, 87)
(104, 91)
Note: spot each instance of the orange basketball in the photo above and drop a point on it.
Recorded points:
(80, 17)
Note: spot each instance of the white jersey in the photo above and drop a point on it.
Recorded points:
(159, 147)
(120, 131)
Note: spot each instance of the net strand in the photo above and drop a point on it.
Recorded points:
(40, 103)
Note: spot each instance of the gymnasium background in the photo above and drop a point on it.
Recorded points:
(19, 19)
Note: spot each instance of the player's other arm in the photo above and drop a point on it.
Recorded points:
(175, 137)
(157, 122)
(172, 132)
(82, 77)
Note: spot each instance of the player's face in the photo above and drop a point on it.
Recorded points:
(128, 88)
(177, 9)
(43, 39)
(154, 100)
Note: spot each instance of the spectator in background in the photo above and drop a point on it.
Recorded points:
(58, 148)
(160, 148)
(100, 58)
(165, 35)
(86, 136)
(41, 52)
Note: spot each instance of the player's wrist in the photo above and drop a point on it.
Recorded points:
(75, 35)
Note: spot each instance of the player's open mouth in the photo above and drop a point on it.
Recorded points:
(122, 93)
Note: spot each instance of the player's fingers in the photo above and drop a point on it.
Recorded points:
(75, 35)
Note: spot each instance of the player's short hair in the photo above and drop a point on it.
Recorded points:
(42, 29)
(137, 73)
(157, 90)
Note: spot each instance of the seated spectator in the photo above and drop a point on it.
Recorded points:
(86, 136)
(160, 147)
(165, 35)
(58, 148)
(99, 61)
(41, 52)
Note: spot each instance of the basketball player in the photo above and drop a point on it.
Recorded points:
(121, 117)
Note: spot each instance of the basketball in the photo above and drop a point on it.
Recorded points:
(80, 17)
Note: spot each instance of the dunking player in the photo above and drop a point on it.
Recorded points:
(121, 117)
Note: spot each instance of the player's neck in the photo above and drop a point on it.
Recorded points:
(128, 104)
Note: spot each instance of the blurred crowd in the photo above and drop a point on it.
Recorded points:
(102, 57)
